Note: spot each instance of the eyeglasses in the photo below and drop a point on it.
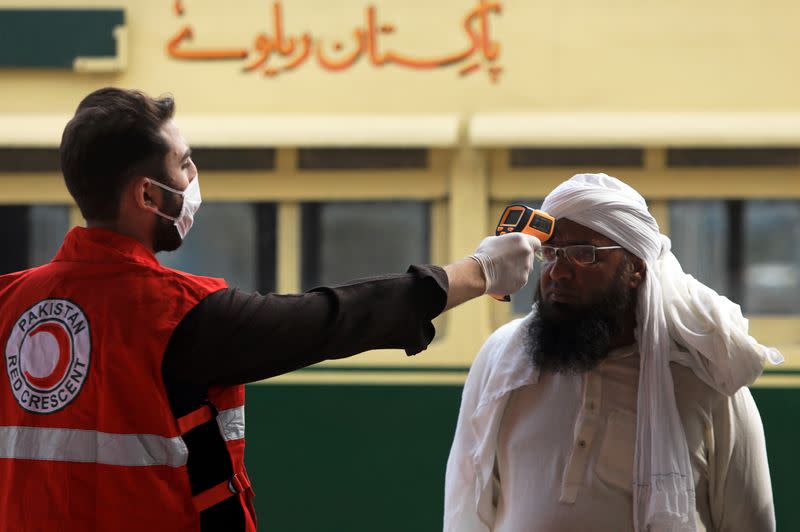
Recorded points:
(582, 255)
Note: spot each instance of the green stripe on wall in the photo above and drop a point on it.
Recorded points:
(780, 412)
(350, 458)
(782, 372)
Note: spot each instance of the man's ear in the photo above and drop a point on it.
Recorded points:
(141, 190)
(638, 271)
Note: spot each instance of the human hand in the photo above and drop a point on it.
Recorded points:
(506, 261)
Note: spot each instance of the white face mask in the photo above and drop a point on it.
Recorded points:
(191, 202)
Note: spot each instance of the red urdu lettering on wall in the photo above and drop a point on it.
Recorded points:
(277, 53)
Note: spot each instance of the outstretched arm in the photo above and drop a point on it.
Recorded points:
(232, 337)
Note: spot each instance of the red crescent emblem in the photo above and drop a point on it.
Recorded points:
(64, 356)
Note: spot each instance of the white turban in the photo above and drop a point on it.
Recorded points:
(673, 307)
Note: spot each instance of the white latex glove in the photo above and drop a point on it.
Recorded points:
(506, 261)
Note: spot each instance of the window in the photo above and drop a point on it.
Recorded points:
(771, 256)
(361, 158)
(33, 236)
(699, 232)
(235, 241)
(233, 158)
(22, 160)
(746, 250)
(571, 157)
(348, 240)
(732, 157)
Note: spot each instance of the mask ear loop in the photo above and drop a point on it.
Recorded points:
(165, 187)
(170, 189)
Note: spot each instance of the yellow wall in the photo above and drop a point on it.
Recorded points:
(577, 55)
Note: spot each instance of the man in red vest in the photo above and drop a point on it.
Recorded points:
(122, 403)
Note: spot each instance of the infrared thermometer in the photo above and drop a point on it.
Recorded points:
(523, 219)
(520, 218)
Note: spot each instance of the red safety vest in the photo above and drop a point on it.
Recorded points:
(88, 440)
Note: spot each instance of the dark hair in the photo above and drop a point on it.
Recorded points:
(114, 136)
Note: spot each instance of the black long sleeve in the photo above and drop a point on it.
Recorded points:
(232, 337)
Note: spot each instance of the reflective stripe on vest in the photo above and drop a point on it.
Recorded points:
(231, 423)
(74, 445)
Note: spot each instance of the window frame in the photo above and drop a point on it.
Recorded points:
(289, 186)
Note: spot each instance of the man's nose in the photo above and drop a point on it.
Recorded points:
(561, 268)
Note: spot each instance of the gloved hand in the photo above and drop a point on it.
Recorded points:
(506, 261)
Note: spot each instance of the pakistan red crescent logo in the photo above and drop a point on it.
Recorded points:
(48, 355)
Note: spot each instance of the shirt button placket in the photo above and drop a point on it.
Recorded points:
(585, 429)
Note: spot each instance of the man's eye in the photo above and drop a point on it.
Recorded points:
(583, 254)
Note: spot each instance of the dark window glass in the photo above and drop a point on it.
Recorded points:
(29, 160)
(233, 158)
(771, 260)
(235, 241)
(593, 157)
(727, 157)
(699, 230)
(14, 240)
(33, 235)
(744, 250)
(361, 158)
(47, 226)
(348, 240)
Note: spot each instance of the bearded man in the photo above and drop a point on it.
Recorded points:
(620, 402)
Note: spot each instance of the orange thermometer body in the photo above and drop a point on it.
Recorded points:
(519, 218)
